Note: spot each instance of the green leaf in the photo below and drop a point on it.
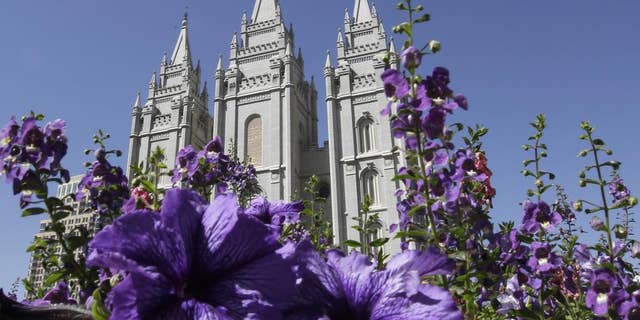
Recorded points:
(54, 277)
(98, 310)
(33, 212)
(352, 243)
(379, 242)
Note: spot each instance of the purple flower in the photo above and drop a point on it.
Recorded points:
(105, 186)
(438, 84)
(433, 123)
(411, 57)
(186, 164)
(350, 287)
(395, 87)
(617, 189)
(601, 293)
(542, 258)
(538, 216)
(462, 101)
(58, 295)
(194, 261)
(275, 213)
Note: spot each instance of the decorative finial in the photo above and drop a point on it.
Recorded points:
(185, 16)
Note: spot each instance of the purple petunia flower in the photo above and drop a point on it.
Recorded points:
(538, 216)
(601, 293)
(350, 287)
(194, 261)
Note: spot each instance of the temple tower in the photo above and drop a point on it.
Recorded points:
(263, 105)
(361, 157)
(175, 113)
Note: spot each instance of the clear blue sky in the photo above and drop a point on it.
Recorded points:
(84, 61)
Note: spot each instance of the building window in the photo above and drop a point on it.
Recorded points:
(365, 135)
(370, 185)
(253, 141)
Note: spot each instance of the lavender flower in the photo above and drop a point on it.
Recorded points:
(602, 291)
(411, 57)
(617, 189)
(538, 216)
(349, 287)
(543, 259)
(396, 87)
(105, 186)
(194, 261)
(276, 213)
(59, 294)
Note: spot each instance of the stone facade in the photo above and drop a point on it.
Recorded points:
(175, 113)
(360, 140)
(266, 109)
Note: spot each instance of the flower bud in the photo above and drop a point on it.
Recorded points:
(597, 224)
(621, 232)
(411, 57)
(539, 183)
(577, 205)
(435, 46)
(635, 249)
(632, 201)
(100, 154)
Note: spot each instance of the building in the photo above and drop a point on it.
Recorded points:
(82, 215)
(267, 110)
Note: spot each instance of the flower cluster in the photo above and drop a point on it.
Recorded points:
(211, 167)
(105, 186)
(199, 260)
(26, 150)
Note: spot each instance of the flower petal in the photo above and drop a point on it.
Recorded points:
(138, 242)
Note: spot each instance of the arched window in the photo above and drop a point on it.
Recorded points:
(253, 141)
(370, 185)
(365, 135)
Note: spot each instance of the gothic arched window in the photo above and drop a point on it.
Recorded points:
(253, 141)
(365, 135)
(370, 185)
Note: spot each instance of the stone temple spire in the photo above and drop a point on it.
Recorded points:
(264, 10)
(182, 51)
(361, 11)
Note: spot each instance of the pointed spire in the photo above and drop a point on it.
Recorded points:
(392, 46)
(164, 61)
(182, 52)
(137, 104)
(154, 80)
(340, 40)
(289, 51)
(374, 11)
(205, 92)
(327, 63)
(313, 82)
(234, 40)
(300, 53)
(382, 31)
(264, 10)
(219, 67)
(244, 17)
(361, 11)
(347, 18)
